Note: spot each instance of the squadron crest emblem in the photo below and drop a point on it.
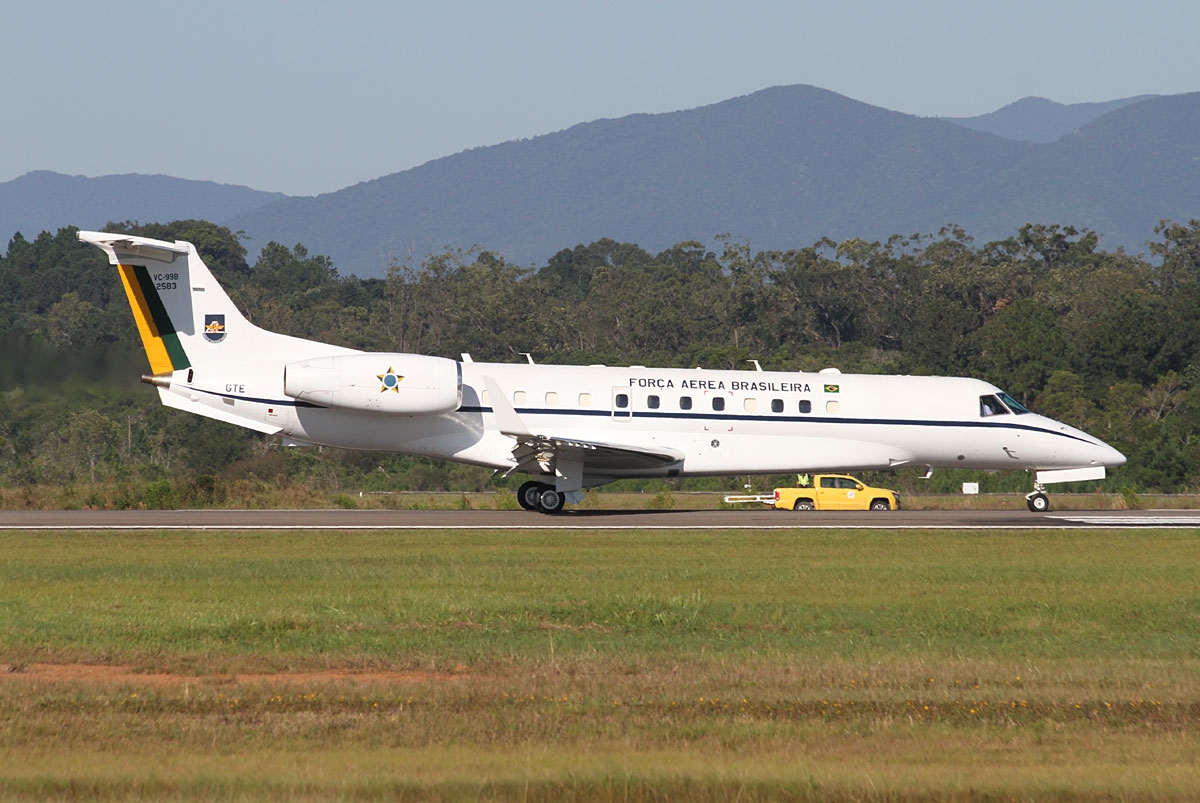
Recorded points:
(214, 328)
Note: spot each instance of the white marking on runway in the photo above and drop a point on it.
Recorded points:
(1133, 521)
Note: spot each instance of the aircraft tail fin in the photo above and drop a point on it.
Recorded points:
(184, 316)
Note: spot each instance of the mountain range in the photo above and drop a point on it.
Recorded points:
(779, 168)
(1041, 120)
(46, 201)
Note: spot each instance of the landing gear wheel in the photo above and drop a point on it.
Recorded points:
(1037, 502)
(551, 501)
(528, 494)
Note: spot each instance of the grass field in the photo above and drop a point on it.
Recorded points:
(848, 665)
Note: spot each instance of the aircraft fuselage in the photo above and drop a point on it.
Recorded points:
(767, 422)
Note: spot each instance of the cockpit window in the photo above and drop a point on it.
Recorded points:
(1012, 403)
(990, 405)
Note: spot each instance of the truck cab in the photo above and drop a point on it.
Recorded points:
(834, 492)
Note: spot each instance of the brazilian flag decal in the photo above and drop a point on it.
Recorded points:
(159, 337)
(832, 388)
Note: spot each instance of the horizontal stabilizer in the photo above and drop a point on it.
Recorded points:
(117, 245)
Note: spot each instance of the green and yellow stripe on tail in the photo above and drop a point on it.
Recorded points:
(159, 337)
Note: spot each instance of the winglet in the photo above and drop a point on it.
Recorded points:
(506, 415)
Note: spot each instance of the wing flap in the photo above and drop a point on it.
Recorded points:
(600, 457)
(539, 454)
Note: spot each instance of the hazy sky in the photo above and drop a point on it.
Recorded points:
(306, 97)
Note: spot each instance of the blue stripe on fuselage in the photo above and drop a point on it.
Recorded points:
(650, 414)
(786, 419)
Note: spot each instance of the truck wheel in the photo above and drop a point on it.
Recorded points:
(803, 504)
(881, 504)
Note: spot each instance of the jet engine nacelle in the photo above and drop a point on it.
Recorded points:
(404, 384)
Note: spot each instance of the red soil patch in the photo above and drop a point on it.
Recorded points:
(106, 674)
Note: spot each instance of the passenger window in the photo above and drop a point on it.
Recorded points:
(832, 407)
(828, 482)
(585, 400)
(622, 400)
(519, 397)
(990, 405)
(750, 404)
(777, 405)
(718, 403)
(685, 402)
(551, 398)
(805, 406)
(652, 402)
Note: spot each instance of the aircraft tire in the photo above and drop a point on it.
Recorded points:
(1037, 502)
(529, 493)
(551, 501)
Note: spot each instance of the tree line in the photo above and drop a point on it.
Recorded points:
(1106, 341)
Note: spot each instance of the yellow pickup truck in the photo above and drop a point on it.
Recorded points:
(834, 492)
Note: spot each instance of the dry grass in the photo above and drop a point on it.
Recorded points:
(828, 666)
(598, 730)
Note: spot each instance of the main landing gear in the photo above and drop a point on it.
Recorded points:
(541, 497)
(1037, 501)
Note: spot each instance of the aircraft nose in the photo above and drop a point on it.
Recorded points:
(1110, 457)
(1085, 449)
(1099, 453)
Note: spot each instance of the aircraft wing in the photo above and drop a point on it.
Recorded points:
(541, 453)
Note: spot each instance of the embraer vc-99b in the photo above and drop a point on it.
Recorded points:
(570, 427)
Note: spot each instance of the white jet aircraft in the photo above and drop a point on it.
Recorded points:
(570, 427)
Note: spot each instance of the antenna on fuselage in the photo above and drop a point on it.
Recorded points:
(757, 367)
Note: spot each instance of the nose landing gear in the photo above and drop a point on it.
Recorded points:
(1037, 501)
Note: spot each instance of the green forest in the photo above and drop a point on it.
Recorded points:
(1103, 341)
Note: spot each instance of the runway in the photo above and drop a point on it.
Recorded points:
(584, 520)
